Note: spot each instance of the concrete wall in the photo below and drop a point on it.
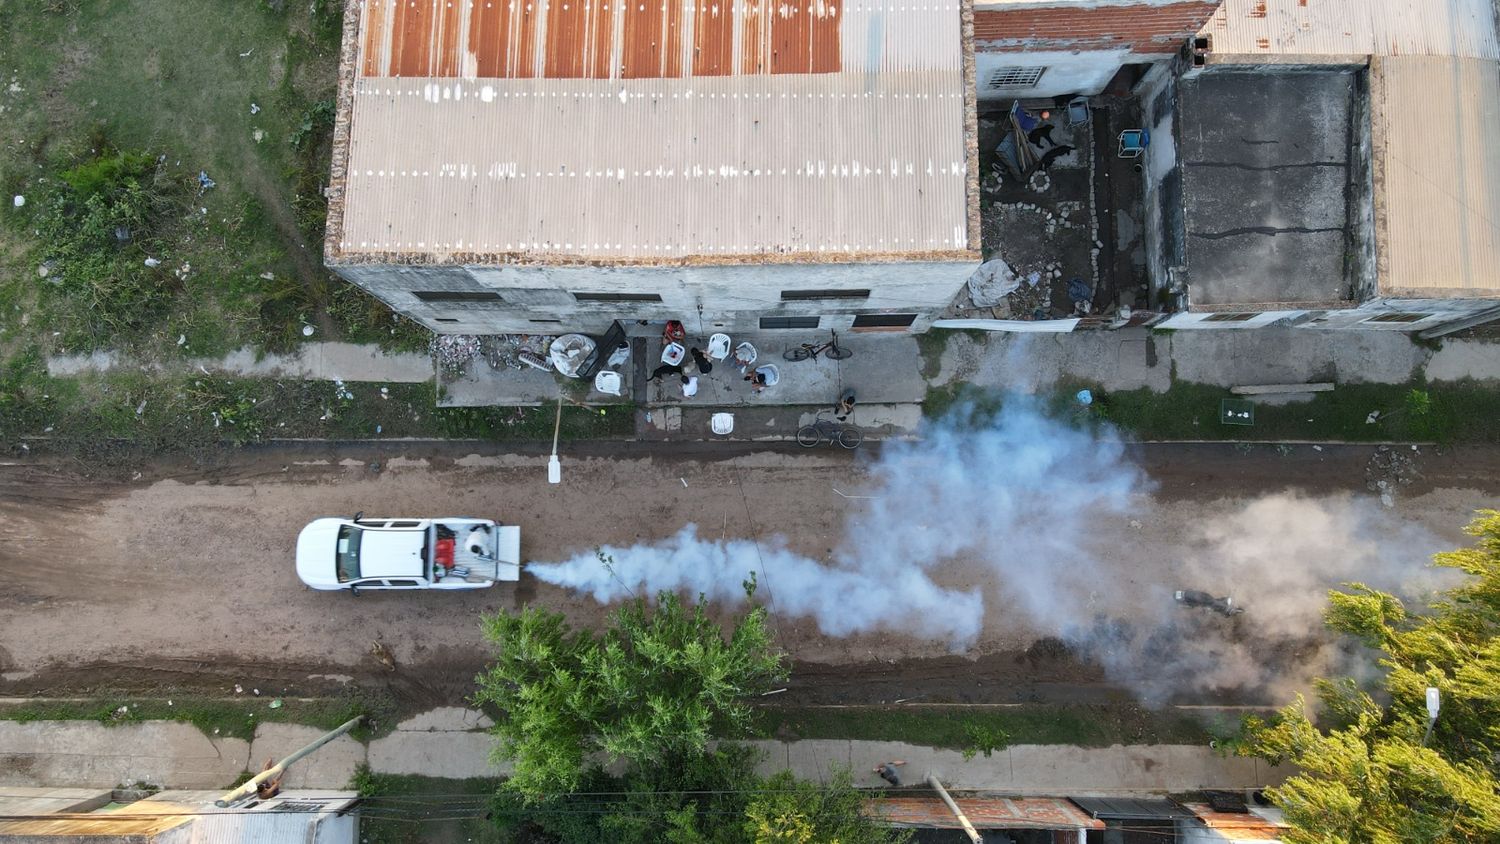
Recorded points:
(1161, 200)
(540, 299)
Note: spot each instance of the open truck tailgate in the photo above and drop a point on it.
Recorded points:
(507, 552)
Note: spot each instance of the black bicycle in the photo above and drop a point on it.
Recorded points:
(828, 431)
(811, 350)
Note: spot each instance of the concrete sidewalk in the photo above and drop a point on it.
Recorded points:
(1132, 359)
(450, 742)
(311, 362)
(889, 369)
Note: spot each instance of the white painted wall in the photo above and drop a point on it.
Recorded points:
(732, 298)
(1067, 72)
(1440, 310)
(1193, 321)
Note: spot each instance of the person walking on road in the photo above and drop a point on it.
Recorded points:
(887, 771)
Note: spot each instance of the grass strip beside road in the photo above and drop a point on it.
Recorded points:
(235, 717)
(970, 728)
(141, 415)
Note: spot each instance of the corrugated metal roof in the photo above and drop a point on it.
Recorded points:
(1436, 147)
(867, 159)
(1131, 808)
(1236, 826)
(600, 39)
(1355, 27)
(983, 812)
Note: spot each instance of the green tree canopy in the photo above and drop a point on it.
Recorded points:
(1377, 776)
(654, 689)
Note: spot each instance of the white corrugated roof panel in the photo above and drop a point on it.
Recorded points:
(1355, 27)
(648, 133)
(1436, 147)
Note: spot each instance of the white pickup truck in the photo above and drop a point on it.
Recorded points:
(449, 553)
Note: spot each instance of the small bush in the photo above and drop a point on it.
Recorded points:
(98, 223)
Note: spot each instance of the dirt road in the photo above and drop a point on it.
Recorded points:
(190, 571)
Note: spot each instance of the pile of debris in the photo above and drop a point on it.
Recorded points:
(454, 351)
(1390, 468)
(516, 351)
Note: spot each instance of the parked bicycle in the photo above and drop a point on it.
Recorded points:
(828, 431)
(811, 351)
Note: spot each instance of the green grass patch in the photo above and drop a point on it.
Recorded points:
(407, 808)
(100, 96)
(974, 729)
(125, 416)
(1449, 412)
(224, 717)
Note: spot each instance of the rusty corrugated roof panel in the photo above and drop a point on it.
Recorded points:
(983, 812)
(1355, 28)
(735, 130)
(600, 39)
(1236, 826)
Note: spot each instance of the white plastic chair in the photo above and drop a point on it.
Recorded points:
(722, 423)
(773, 375)
(672, 354)
(607, 381)
(744, 355)
(718, 346)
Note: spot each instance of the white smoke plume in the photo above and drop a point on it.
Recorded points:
(1015, 492)
(1014, 502)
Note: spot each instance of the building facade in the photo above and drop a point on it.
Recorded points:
(551, 167)
(1051, 48)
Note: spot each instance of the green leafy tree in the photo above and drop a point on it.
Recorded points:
(1377, 775)
(788, 811)
(653, 690)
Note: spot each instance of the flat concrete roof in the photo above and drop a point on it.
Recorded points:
(1265, 159)
(647, 133)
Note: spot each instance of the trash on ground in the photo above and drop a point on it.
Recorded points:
(204, 182)
(569, 352)
(454, 351)
(1085, 397)
(152, 262)
(307, 331)
(254, 109)
(991, 283)
(19, 201)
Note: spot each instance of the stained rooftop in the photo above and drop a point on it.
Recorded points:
(559, 131)
(1355, 27)
(983, 812)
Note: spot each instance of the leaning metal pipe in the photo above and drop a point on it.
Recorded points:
(248, 788)
(953, 807)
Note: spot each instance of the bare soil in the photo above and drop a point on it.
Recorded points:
(185, 577)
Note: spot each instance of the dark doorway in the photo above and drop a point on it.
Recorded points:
(1125, 79)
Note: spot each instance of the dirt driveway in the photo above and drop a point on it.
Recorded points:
(191, 571)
